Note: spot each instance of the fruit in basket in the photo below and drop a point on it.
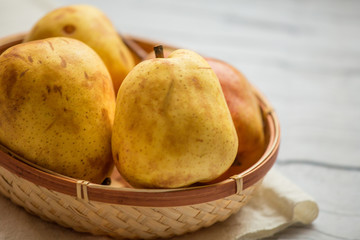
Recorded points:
(244, 109)
(57, 107)
(172, 127)
(245, 112)
(88, 24)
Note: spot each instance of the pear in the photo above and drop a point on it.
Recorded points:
(172, 127)
(245, 112)
(57, 107)
(89, 25)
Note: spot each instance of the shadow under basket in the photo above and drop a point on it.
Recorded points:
(124, 212)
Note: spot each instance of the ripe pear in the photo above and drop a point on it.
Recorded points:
(245, 112)
(89, 25)
(57, 107)
(172, 127)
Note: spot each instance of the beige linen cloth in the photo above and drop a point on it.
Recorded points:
(276, 204)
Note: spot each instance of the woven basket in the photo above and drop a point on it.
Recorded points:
(123, 212)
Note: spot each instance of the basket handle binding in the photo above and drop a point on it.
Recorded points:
(81, 190)
(239, 183)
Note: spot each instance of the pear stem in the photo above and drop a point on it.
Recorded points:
(159, 51)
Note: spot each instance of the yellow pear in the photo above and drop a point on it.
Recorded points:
(57, 107)
(89, 25)
(172, 127)
(245, 112)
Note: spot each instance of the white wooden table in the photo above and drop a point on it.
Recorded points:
(303, 55)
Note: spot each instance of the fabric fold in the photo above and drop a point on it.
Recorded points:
(277, 204)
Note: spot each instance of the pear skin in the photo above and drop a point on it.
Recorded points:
(57, 107)
(89, 25)
(245, 112)
(172, 127)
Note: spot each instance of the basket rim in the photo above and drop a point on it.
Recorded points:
(148, 197)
